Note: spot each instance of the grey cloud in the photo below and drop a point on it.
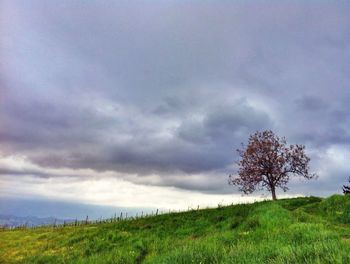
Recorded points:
(324, 122)
(194, 147)
(170, 106)
(14, 172)
(223, 125)
(311, 103)
(144, 88)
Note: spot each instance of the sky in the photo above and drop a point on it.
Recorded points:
(142, 104)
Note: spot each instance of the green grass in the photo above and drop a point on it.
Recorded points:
(299, 230)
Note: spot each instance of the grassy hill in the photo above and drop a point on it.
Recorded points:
(299, 230)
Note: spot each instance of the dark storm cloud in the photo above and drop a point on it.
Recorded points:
(14, 172)
(325, 121)
(195, 146)
(170, 88)
(225, 124)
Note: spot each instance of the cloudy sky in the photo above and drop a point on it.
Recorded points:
(142, 104)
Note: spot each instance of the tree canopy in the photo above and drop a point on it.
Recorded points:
(267, 162)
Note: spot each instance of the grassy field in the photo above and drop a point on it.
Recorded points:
(299, 230)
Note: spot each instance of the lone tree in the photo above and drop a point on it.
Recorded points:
(268, 162)
(346, 189)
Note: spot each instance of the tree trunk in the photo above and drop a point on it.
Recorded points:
(273, 192)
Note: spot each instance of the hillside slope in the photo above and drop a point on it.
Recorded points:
(299, 230)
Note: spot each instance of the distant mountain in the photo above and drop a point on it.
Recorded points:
(30, 221)
(64, 209)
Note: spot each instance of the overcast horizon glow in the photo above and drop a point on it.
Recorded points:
(142, 104)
